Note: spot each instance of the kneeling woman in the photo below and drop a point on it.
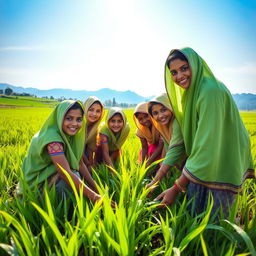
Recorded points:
(151, 142)
(112, 136)
(165, 122)
(60, 142)
(94, 112)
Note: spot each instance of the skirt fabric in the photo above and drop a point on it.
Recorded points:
(200, 195)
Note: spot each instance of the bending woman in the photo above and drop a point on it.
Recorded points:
(94, 112)
(151, 142)
(60, 141)
(216, 141)
(112, 136)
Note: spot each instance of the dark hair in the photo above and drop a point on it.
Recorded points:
(76, 105)
(116, 114)
(150, 106)
(137, 113)
(174, 55)
(97, 102)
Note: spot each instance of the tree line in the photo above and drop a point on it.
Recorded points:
(107, 103)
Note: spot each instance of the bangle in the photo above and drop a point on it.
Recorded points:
(176, 188)
(182, 189)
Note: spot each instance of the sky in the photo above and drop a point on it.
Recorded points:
(123, 45)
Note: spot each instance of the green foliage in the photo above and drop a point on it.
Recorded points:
(43, 224)
(22, 101)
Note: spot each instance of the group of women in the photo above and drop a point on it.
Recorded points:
(195, 126)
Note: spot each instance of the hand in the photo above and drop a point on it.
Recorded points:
(168, 196)
(152, 185)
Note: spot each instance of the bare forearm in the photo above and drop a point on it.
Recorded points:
(87, 176)
(183, 181)
(161, 172)
(78, 184)
(85, 159)
(107, 160)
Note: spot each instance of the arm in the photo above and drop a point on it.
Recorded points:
(160, 174)
(156, 153)
(173, 155)
(144, 149)
(62, 161)
(168, 196)
(176, 150)
(105, 151)
(86, 160)
(90, 156)
(87, 176)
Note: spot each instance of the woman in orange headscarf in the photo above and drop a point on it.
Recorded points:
(151, 142)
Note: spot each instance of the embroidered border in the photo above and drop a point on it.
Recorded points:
(250, 173)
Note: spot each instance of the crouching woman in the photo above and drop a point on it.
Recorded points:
(60, 142)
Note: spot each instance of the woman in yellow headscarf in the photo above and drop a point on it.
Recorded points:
(151, 142)
(94, 112)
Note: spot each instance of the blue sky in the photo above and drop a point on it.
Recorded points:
(93, 44)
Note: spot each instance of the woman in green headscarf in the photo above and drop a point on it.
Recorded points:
(216, 141)
(94, 112)
(112, 136)
(163, 118)
(60, 142)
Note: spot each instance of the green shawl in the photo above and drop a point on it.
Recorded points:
(91, 137)
(115, 141)
(37, 165)
(216, 141)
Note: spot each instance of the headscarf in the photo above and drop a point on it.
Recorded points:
(37, 165)
(91, 136)
(151, 135)
(115, 141)
(216, 141)
(165, 131)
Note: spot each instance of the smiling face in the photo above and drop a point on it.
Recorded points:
(181, 73)
(116, 123)
(161, 114)
(144, 119)
(94, 113)
(72, 122)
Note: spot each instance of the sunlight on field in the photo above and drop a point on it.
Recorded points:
(136, 227)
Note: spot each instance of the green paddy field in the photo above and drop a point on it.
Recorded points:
(42, 225)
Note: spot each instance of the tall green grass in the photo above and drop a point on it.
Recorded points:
(43, 224)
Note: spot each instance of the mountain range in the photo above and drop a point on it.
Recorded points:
(103, 94)
(244, 101)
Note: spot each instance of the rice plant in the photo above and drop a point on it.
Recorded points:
(44, 224)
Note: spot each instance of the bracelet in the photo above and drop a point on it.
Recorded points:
(176, 188)
(182, 189)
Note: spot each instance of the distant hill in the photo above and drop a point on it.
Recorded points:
(103, 94)
(244, 101)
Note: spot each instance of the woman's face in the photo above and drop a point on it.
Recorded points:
(181, 73)
(72, 122)
(161, 114)
(94, 113)
(116, 123)
(144, 119)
